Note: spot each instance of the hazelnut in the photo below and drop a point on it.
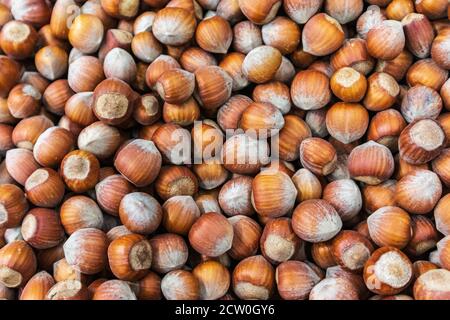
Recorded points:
(114, 290)
(421, 266)
(316, 122)
(262, 12)
(211, 174)
(180, 285)
(235, 196)
(86, 33)
(174, 26)
(390, 226)
(51, 62)
(149, 287)
(229, 114)
(175, 85)
(41, 228)
(139, 161)
(351, 250)
(295, 280)
(11, 74)
(85, 249)
(174, 142)
(432, 9)
(278, 241)
(244, 154)
(37, 287)
(79, 212)
(439, 49)
(316, 221)
(61, 13)
(441, 216)
(281, 33)
(214, 86)
(273, 194)
(424, 235)
(307, 184)
(99, 139)
(176, 181)
(421, 141)
(310, 90)
(246, 37)
(119, 64)
(386, 40)
(254, 278)
(432, 285)
(385, 128)
(344, 11)
(419, 191)
(371, 163)
(348, 84)
(345, 197)
(334, 289)
(56, 95)
(145, 46)
(419, 34)
(85, 73)
(80, 170)
(382, 91)
(301, 11)
(18, 39)
(17, 264)
(110, 191)
(140, 212)
(158, 67)
(179, 214)
(24, 101)
(318, 155)
(63, 271)
(113, 101)
(52, 146)
(214, 34)
(211, 234)
(44, 188)
(13, 205)
(322, 26)
(426, 72)
(207, 202)
(388, 271)
(347, 122)
(170, 252)
(20, 164)
(183, 114)
(246, 236)
(213, 279)
(398, 9)
(130, 257)
(193, 58)
(378, 196)
(262, 118)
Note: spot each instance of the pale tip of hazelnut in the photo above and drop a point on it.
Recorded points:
(427, 134)
(37, 178)
(250, 290)
(392, 270)
(112, 105)
(140, 256)
(76, 167)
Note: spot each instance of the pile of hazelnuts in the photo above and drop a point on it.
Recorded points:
(224, 149)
